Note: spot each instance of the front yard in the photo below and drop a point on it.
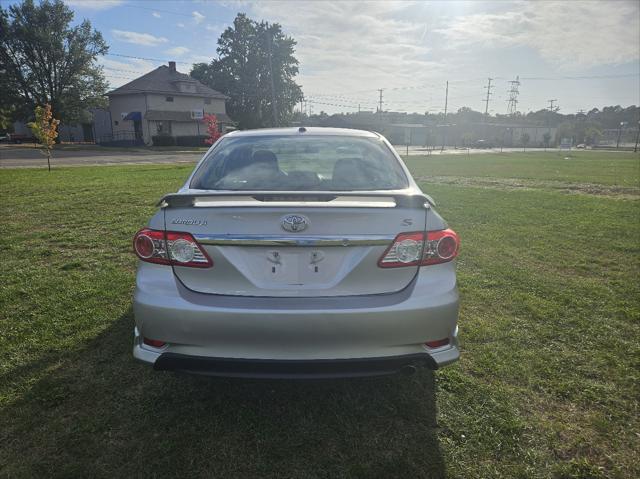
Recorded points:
(547, 385)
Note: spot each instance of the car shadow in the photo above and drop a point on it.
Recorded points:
(96, 412)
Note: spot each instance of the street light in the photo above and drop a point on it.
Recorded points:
(622, 123)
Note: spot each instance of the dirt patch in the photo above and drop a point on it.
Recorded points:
(614, 191)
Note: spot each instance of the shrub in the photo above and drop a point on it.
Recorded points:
(191, 140)
(163, 140)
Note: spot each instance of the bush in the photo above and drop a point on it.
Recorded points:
(163, 140)
(191, 140)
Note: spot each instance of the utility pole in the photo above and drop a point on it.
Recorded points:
(380, 90)
(552, 109)
(512, 102)
(444, 128)
(274, 105)
(446, 100)
(486, 101)
(622, 125)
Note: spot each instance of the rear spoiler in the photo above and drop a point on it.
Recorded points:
(360, 199)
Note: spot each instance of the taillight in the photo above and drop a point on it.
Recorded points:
(411, 249)
(153, 342)
(170, 247)
(438, 343)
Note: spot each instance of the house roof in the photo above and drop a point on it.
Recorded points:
(165, 115)
(165, 80)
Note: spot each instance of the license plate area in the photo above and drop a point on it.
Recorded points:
(299, 266)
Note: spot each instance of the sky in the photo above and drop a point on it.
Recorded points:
(584, 54)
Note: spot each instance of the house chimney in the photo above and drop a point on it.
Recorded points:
(172, 66)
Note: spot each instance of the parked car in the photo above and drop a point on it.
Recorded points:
(297, 252)
(18, 138)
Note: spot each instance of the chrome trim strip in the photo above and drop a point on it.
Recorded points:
(337, 201)
(277, 240)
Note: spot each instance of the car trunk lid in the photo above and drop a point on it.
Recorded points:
(294, 244)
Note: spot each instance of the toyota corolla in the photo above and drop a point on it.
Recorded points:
(297, 253)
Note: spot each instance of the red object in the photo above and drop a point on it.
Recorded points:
(161, 247)
(212, 128)
(412, 249)
(437, 343)
(153, 342)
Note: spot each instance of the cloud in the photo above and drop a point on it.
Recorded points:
(94, 4)
(156, 14)
(197, 16)
(138, 38)
(198, 59)
(568, 34)
(354, 45)
(180, 25)
(177, 51)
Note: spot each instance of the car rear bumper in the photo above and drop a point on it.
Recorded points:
(295, 337)
(293, 369)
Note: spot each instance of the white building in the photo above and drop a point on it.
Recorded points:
(164, 102)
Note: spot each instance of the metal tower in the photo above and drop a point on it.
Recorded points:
(512, 102)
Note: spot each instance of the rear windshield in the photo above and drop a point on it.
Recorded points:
(304, 163)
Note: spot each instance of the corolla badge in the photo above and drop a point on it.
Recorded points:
(189, 221)
(294, 223)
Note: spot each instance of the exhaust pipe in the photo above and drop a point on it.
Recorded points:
(408, 370)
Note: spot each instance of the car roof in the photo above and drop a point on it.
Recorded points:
(306, 130)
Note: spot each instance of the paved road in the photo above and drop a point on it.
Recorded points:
(16, 157)
(11, 157)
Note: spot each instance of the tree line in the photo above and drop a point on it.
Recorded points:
(46, 60)
(469, 125)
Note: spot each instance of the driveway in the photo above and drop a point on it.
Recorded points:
(22, 156)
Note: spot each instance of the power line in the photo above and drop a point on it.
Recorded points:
(588, 77)
(158, 10)
(143, 58)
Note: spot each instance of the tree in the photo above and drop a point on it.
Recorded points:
(256, 68)
(45, 129)
(592, 135)
(525, 139)
(46, 60)
(212, 128)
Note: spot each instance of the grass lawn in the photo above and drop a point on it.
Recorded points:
(547, 385)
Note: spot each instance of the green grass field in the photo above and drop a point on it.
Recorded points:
(547, 385)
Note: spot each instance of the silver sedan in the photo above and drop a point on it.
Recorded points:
(295, 253)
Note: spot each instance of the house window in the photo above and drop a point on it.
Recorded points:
(163, 127)
(207, 101)
(169, 98)
(115, 123)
